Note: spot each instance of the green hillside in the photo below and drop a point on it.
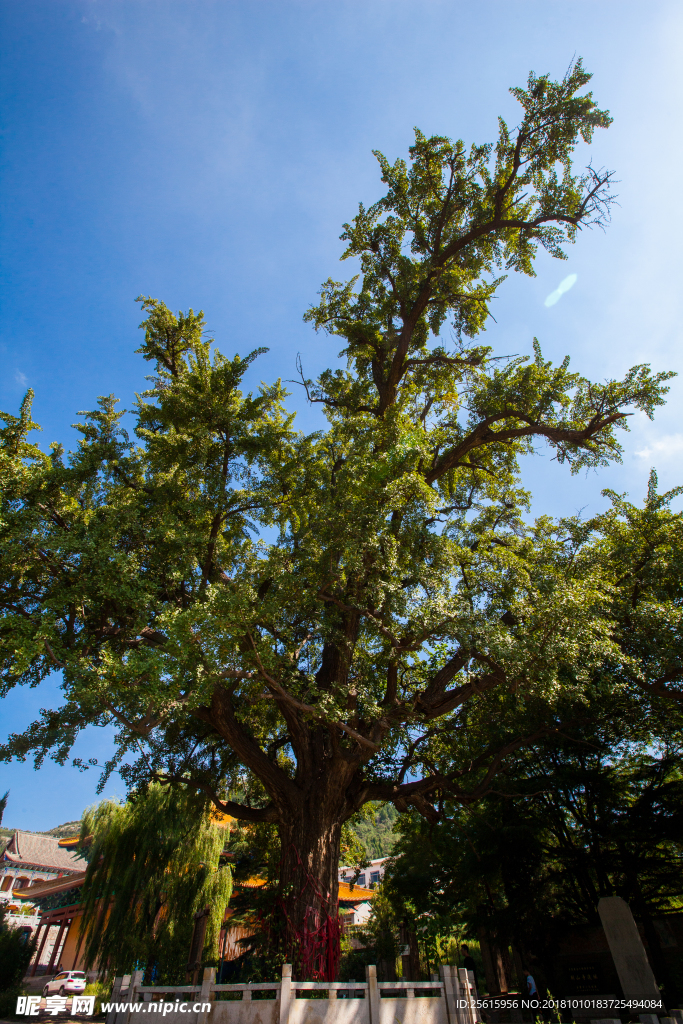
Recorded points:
(376, 832)
(69, 828)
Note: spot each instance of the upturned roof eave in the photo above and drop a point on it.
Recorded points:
(18, 861)
(52, 886)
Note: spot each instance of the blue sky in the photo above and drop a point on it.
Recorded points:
(207, 153)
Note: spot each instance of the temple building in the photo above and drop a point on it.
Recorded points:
(30, 859)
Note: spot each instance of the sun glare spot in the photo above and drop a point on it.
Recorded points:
(562, 287)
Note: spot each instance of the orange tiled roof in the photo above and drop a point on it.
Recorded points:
(357, 892)
(253, 883)
(350, 894)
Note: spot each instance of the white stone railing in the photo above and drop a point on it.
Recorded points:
(447, 1001)
(22, 921)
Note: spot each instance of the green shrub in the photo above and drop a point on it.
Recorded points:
(15, 956)
(8, 1003)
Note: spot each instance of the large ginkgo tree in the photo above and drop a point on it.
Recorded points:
(298, 624)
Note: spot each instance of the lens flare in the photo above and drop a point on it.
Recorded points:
(562, 287)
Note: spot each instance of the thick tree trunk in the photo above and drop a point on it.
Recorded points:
(307, 900)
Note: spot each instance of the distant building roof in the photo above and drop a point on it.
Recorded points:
(30, 850)
(349, 895)
(355, 893)
(252, 883)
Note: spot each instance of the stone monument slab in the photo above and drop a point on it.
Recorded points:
(628, 951)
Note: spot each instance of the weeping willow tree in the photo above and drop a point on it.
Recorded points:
(153, 863)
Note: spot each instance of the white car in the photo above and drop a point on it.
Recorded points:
(67, 983)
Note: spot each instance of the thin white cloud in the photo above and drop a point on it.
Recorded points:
(21, 379)
(666, 447)
(562, 287)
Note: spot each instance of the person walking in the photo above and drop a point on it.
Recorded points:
(531, 991)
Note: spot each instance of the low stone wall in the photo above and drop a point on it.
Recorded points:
(448, 1001)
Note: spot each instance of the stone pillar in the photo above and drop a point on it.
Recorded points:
(466, 994)
(115, 993)
(449, 991)
(373, 992)
(136, 980)
(207, 994)
(627, 949)
(285, 993)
